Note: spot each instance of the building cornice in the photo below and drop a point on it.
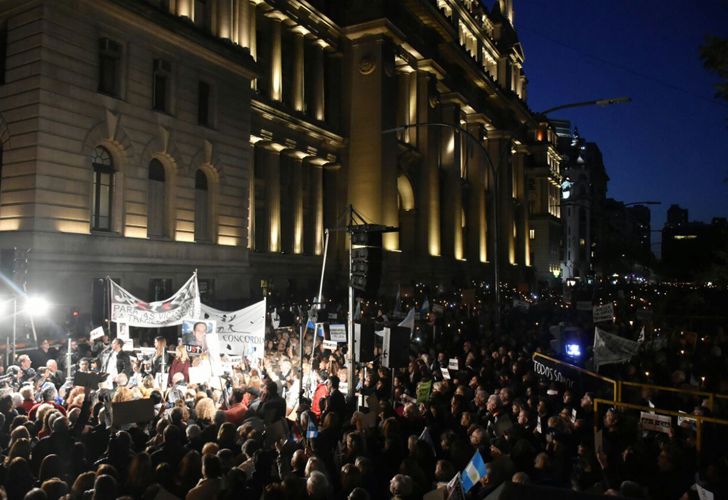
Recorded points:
(268, 112)
(181, 33)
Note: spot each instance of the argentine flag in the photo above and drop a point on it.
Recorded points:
(310, 325)
(473, 473)
(320, 330)
(311, 430)
(425, 306)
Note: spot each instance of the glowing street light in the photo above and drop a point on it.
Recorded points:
(37, 306)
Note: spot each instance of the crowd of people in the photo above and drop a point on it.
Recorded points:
(274, 429)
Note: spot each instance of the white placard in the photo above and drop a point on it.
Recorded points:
(97, 333)
(654, 422)
(337, 332)
(603, 313)
(128, 345)
(122, 331)
(330, 345)
(445, 373)
(453, 364)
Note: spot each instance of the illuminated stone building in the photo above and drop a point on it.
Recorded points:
(543, 178)
(584, 194)
(145, 138)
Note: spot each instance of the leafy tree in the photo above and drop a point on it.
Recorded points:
(714, 54)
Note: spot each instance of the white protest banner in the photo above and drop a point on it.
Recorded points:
(654, 422)
(241, 332)
(126, 308)
(97, 333)
(583, 305)
(330, 345)
(603, 313)
(610, 348)
(445, 373)
(337, 333)
(453, 364)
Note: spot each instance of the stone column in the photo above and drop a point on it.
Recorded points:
(372, 176)
(273, 198)
(317, 205)
(523, 252)
(427, 203)
(225, 19)
(297, 192)
(452, 237)
(298, 72)
(477, 169)
(276, 61)
(499, 146)
(317, 74)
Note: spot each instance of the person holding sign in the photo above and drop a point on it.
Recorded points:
(181, 364)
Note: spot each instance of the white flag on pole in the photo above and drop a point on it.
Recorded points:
(409, 320)
(610, 348)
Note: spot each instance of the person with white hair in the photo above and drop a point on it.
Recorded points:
(317, 485)
(400, 486)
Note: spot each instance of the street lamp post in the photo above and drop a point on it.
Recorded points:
(594, 102)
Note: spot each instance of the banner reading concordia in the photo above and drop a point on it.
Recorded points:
(126, 308)
(240, 332)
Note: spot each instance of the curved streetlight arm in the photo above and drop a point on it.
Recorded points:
(595, 102)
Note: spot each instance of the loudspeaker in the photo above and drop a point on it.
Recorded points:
(395, 347)
(364, 342)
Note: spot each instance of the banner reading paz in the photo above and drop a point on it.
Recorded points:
(127, 309)
(240, 332)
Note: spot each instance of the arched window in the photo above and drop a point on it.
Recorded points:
(202, 208)
(156, 201)
(103, 188)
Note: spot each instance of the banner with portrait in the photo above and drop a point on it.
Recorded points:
(240, 332)
(126, 308)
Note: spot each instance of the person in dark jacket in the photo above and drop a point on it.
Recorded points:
(273, 407)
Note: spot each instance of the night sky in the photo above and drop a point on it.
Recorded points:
(671, 142)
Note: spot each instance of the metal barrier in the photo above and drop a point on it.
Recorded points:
(699, 419)
(614, 383)
(690, 392)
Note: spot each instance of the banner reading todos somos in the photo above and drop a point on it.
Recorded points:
(241, 332)
(126, 308)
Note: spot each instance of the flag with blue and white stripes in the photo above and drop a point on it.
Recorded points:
(311, 430)
(474, 472)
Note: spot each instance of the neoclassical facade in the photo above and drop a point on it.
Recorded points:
(143, 139)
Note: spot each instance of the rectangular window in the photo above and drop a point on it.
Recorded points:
(103, 189)
(160, 85)
(203, 104)
(109, 67)
(160, 289)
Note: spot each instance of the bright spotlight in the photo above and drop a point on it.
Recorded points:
(573, 350)
(37, 306)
